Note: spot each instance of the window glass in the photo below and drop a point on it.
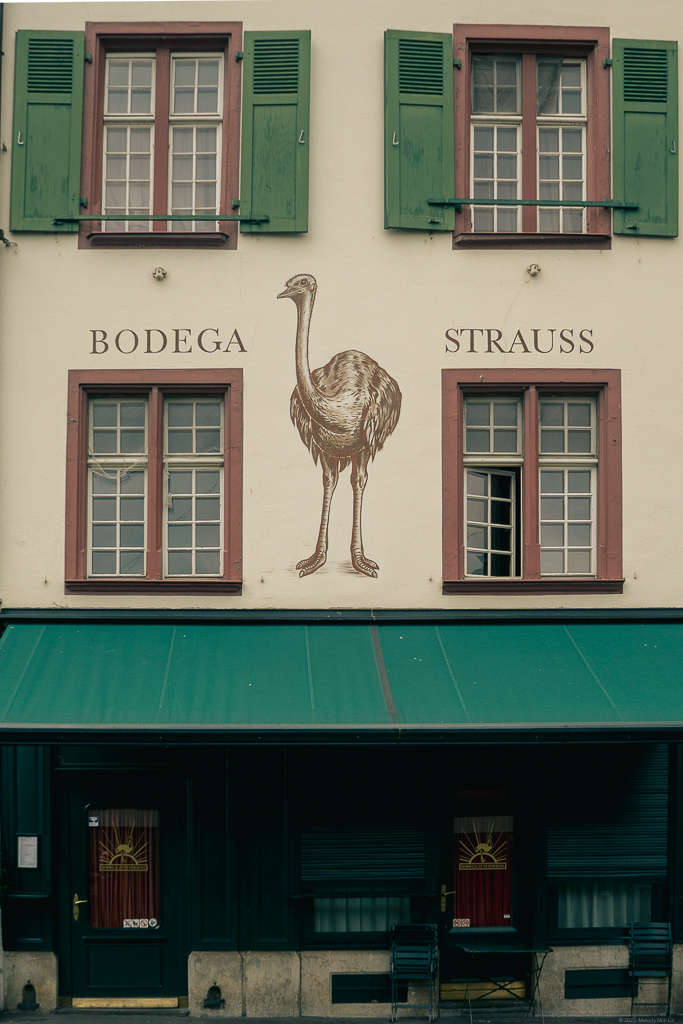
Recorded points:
(124, 868)
(127, 175)
(360, 913)
(492, 426)
(567, 426)
(129, 86)
(194, 175)
(603, 904)
(560, 176)
(495, 173)
(567, 512)
(118, 426)
(118, 522)
(490, 524)
(483, 872)
(496, 84)
(194, 522)
(196, 85)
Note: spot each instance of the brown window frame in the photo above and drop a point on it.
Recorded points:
(606, 385)
(84, 384)
(102, 38)
(571, 41)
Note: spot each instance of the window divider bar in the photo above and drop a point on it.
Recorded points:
(531, 553)
(529, 220)
(161, 135)
(155, 484)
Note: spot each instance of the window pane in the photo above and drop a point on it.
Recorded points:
(579, 415)
(505, 440)
(495, 175)
(478, 440)
(477, 511)
(477, 483)
(117, 548)
(501, 486)
(603, 904)
(552, 441)
(552, 561)
(360, 913)
(194, 177)
(128, 179)
(505, 414)
(485, 546)
(477, 564)
(578, 561)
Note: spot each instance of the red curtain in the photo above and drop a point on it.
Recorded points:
(483, 875)
(124, 872)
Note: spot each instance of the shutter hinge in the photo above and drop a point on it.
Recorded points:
(83, 202)
(239, 55)
(607, 62)
(235, 204)
(5, 241)
(457, 63)
(87, 57)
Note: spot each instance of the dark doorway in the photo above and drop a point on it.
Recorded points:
(123, 888)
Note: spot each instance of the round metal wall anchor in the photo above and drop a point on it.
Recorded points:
(158, 273)
(533, 270)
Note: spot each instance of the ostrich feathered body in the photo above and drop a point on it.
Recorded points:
(366, 402)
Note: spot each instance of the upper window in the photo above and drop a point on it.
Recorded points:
(532, 489)
(154, 500)
(532, 119)
(164, 135)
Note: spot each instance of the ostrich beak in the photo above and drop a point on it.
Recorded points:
(285, 294)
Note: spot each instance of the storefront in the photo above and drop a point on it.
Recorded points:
(259, 831)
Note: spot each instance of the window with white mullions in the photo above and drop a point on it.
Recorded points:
(567, 512)
(194, 175)
(196, 95)
(567, 426)
(492, 426)
(561, 177)
(117, 464)
(490, 514)
(118, 522)
(194, 465)
(496, 84)
(495, 175)
(127, 163)
(561, 122)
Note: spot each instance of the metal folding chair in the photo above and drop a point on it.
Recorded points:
(650, 956)
(414, 958)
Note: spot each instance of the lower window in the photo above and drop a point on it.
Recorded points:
(603, 904)
(360, 913)
(532, 481)
(154, 482)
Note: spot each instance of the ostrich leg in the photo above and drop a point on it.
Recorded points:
(359, 478)
(319, 556)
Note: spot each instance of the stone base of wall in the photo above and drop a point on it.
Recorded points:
(38, 969)
(317, 969)
(572, 958)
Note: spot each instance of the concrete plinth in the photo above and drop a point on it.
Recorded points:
(222, 969)
(37, 969)
(271, 984)
(316, 982)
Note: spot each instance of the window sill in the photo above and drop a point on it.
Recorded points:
(547, 585)
(160, 240)
(130, 586)
(483, 240)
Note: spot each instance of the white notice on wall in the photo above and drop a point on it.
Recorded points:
(27, 852)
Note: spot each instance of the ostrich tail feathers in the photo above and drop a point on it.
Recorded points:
(382, 410)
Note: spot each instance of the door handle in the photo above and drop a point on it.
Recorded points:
(76, 901)
(444, 894)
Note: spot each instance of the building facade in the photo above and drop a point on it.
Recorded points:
(252, 716)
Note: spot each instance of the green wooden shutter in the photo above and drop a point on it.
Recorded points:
(418, 130)
(645, 136)
(275, 116)
(46, 139)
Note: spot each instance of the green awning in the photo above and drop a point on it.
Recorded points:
(454, 675)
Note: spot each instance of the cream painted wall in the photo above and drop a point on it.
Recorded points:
(390, 294)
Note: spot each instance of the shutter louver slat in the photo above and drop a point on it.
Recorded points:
(356, 854)
(645, 75)
(626, 839)
(420, 67)
(50, 65)
(276, 66)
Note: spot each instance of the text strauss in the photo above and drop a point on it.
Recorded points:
(152, 341)
(543, 340)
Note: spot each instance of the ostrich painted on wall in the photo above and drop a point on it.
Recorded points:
(344, 412)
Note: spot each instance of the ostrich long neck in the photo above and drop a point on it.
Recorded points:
(313, 399)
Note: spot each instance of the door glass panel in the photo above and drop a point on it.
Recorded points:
(483, 889)
(124, 868)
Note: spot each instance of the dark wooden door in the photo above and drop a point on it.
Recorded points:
(124, 889)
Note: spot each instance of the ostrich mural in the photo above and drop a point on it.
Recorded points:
(344, 413)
